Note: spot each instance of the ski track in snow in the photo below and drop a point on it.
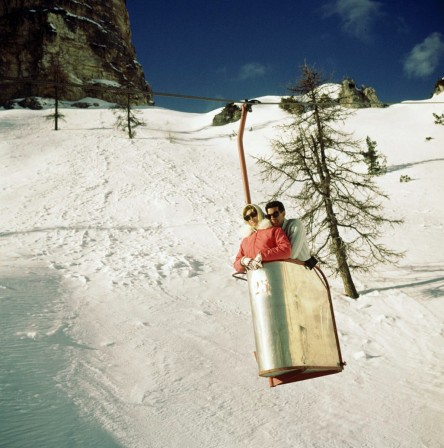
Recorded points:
(143, 233)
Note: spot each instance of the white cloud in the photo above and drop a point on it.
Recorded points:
(425, 57)
(357, 16)
(251, 70)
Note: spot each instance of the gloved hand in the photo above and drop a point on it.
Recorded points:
(252, 263)
(256, 263)
(245, 261)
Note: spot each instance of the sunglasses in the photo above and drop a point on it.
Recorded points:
(273, 215)
(253, 214)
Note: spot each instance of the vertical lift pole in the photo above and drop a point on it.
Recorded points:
(246, 107)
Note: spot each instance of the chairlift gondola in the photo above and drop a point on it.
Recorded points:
(292, 311)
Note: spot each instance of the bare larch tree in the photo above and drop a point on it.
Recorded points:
(321, 168)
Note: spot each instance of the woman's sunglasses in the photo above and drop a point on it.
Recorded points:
(273, 215)
(253, 214)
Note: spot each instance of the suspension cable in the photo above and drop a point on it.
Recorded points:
(265, 103)
(130, 91)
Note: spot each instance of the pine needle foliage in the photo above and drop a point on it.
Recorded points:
(126, 118)
(321, 168)
(439, 119)
(376, 162)
(60, 78)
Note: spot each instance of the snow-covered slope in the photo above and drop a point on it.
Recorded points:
(142, 234)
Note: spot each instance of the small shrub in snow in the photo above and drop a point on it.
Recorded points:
(439, 119)
(171, 138)
(405, 178)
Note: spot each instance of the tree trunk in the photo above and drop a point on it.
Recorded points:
(341, 253)
(339, 247)
(128, 115)
(344, 270)
(56, 110)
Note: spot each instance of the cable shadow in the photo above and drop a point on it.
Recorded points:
(76, 228)
(435, 292)
(87, 129)
(394, 168)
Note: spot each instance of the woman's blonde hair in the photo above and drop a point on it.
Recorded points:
(260, 213)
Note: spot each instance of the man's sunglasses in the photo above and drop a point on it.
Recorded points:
(253, 214)
(273, 215)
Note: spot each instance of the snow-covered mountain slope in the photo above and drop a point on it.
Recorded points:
(142, 234)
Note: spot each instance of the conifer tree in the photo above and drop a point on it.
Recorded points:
(126, 117)
(376, 162)
(321, 168)
(59, 78)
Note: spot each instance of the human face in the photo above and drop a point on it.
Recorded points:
(251, 217)
(276, 217)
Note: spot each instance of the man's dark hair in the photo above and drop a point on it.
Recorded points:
(274, 204)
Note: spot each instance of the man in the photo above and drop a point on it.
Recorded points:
(294, 229)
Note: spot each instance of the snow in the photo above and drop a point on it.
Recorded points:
(332, 90)
(105, 82)
(86, 19)
(142, 234)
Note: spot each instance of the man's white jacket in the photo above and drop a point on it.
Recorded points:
(295, 231)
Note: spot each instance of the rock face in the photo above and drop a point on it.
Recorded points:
(352, 97)
(439, 86)
(229, 114)
(84, 42)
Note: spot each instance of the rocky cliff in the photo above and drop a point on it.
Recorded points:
(85, 42)
(439, 86)
(355, 98)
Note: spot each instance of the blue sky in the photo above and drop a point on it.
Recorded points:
(249, 48)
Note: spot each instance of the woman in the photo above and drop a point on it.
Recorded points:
(262, 241)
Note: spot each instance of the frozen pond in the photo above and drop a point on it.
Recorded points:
(35, 353)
